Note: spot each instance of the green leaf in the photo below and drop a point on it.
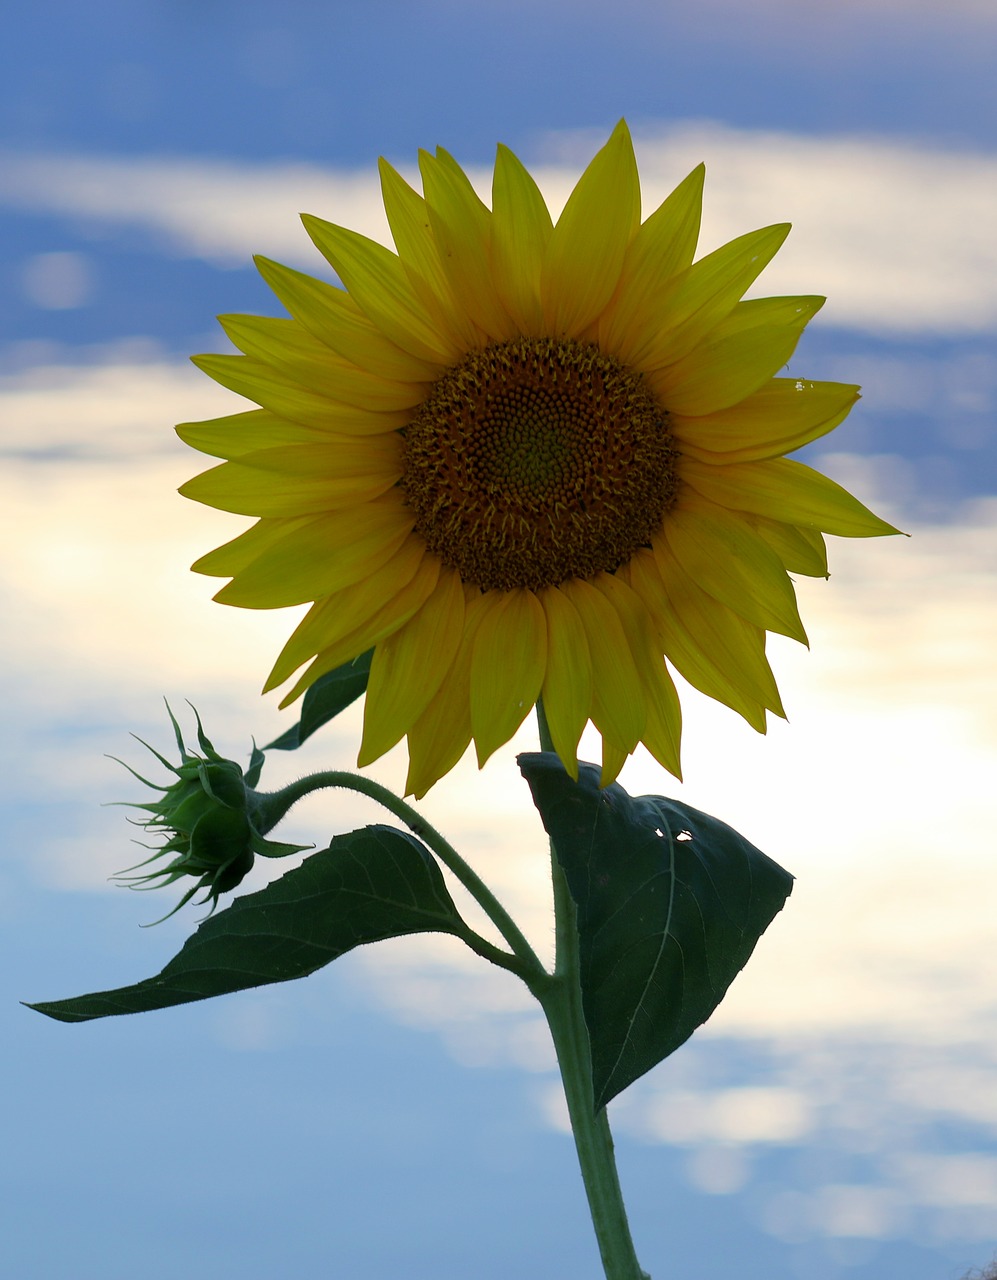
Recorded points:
(370, 884)
(324, 700)
(670, 905)
(252, 774)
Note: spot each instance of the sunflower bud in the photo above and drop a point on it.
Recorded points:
(213, 820)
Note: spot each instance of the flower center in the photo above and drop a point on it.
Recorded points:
(535, 461)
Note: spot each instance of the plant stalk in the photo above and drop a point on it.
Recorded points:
(561, 1000)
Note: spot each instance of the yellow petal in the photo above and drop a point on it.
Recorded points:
(788, 491)
(399, 588)
(617, 697)
(377, 281)
(695, 301)
(239, 433)
(328, 553)
(462, 228)
(717, 651)
(613, 759)
(289, 348)
(780, 417)
(567, 686)
(662, 729)
(521, 231)
(412, 232)
(301, 479)
(327, 458)
(663, 246)
(286, 398)
(729, 647)
(234, 556)
(330, 315)
(589, 241)
(442, 733)
(721, 552)
(249, 491)
(409, 666)
(800, 550)
(394, 613)
(741, 355)
(507, 667)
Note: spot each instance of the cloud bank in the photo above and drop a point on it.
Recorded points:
(869, 1004)
(899, 236)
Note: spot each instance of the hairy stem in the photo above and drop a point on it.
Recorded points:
(523, 961)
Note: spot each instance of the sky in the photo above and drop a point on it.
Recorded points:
(398, 1114)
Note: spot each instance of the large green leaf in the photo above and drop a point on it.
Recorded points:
(370, 884)
(324, 700)
(670, 905)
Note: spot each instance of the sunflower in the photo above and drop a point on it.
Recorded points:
(526, 459)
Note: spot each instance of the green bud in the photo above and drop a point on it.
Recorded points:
(212, 821)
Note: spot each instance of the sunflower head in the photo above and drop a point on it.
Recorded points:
(523, 458)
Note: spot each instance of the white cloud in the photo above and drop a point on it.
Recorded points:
(112, 410)
(58, 281)
(898, 235)
(741, 1115)
(219, 210)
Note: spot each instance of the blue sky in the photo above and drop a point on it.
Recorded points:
(323, 80)
(397, 1115)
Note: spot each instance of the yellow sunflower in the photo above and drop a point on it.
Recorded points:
(521, 458)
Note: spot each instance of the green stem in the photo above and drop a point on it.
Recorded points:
(561, 999)
(523, 962)
(559, 994)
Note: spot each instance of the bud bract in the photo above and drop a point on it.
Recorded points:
(213, 821)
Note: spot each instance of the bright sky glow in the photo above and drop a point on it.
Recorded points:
(877, 796)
